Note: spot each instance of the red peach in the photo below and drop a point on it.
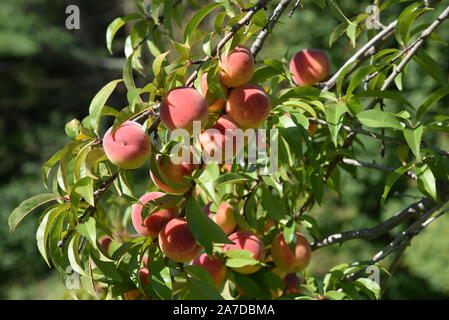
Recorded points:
(309, 67)
(237, 67)
(215, 104)
(249, 106)
(292, 283)
(224, 217)
(250, 242)
(287, 260)
(218, 137)
(135, 294)
(105, 242)
(177, 241)
(213, 265)
(153, 223)
(181, 106)
(128, 147)
(174, 173)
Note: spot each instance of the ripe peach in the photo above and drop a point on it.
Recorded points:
(153, 223)
(135, 294)
(287, 260)
(312, 128)
(237, 67)
(246, 241)
(215, 104)
(218, 137)
(292, 283)
(212, 265)
(224, 217)
(128, 147)
(177, 242)
(181, 106)
(309, 67)
(174, 173)
(248, 106)
(105, 242)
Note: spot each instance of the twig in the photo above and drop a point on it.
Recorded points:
(252, 11)
(298, 2)
(418, 43)
(358, 163)
(274, 17)
(388, 31)
(374, 232)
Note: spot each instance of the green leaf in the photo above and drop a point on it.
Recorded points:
(73, 256)
(433, 98)
(199, 273)
(336, 11)
(204, 229)
(406, 20)
(385, 94)
(432, 67)
(46, 168)
(370, 285)
(88, 230)
(115, 26)
(201, 290)
(109, 269)
(98, 102)
(413, 138)
(27, 206)
(239, 258)
(85, 188)
(391, 180)
(45, 227)
(379, 119)
(157, 63)
(232, 178)
(426, 180)
(334, 118)
(197, 18)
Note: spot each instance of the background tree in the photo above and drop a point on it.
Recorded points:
(327, 160)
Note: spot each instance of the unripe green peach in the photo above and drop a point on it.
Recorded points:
(153, 223)
(128, 147)
(287, 260)
(309, 67)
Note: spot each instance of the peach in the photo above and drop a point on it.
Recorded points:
(144, 274)
(312, 128)
(153, 223)
(224, 216)
(215, 104)
(216, 139)
(237, 67)
(105, 242)
(250, 242)
(213, 265)
(287, 260)
(128, 147)
(249, 106)
(292, 283)
(181, 106)
(174, 173)
(309, 67)
(177, 241)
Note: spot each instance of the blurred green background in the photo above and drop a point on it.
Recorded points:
(49, 74)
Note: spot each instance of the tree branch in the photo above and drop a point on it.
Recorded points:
(274, 17)
(374, 232)
(358, 163)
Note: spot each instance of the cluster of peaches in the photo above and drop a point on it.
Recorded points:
(246, 106)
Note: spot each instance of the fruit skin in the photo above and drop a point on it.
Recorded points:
(215, 104)
(181, 106)
(177, 242)
(175, 173)
(237, 67)
(105, 242)
(212, 140)
(248, 106)
(135, 294)
(250, 242)
(285, 259)
(292, 283)
(153, 223)
(214, 266)
(224, 216)
(309, 67)
(128, 147)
